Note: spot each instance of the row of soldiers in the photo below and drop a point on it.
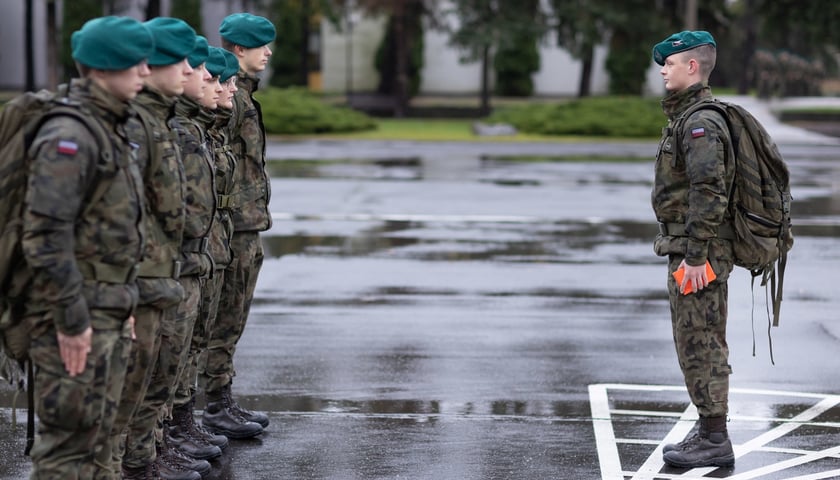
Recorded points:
(145, 249)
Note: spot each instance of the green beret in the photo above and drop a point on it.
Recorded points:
(680, 42)
(200, 52)
(174, 40)
(232, 66)
(216, 64)
(112, 43)
(249, 31)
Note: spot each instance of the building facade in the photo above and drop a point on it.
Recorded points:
(347, 55)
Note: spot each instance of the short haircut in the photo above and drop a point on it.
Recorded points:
(706, 56)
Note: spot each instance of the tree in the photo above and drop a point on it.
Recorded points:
(190, 12)
(480, 26)
(805, 28)
(580, 27)
(403, 14)
(630, 43)
(386, 61)
(76, 13)
(517, 55)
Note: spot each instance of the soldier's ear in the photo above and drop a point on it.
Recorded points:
(693, 66)
(239, 51)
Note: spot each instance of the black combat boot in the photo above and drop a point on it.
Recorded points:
(256, 417)
(692, 438)
(172, 465)
(147, 472)
(709, 447)
(184, 435)
(220, 417)
(220, 441)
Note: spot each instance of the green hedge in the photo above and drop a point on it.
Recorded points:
(595, 116)
(296, 111)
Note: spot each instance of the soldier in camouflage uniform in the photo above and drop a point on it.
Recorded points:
(690, 196)
(222, 232)
(246, 36)
(84, 256)
(199, 268)
(161, 338)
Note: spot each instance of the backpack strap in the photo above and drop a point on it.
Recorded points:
(106, 152)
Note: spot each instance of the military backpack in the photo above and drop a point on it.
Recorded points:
(20, 120)
(759, 199)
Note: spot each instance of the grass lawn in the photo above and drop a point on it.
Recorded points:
(439, 130)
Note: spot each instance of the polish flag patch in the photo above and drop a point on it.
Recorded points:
(66, 147)
(698, 132)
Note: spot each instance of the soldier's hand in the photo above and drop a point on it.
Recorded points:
(74, 350)
(131, 323)
(694, 274)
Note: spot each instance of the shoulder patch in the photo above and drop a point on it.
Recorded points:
(67, 147)
(698, 132)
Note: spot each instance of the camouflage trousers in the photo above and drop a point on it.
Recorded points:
(187, 382)
(142, 432)
(234, 304)
(76, 415)
(698, 321)
(189, 311)
(141, 364)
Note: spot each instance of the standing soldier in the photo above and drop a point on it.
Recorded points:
(690, 196)
(84, 256)
(247, 36)
(160, 337)
(222, 231)
(194, 112)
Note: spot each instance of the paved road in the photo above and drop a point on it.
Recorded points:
(436, 316)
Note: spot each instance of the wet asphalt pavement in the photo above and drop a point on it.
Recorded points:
(493, 311)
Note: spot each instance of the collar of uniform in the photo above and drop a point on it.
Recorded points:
(205, 116)
(105, 103)
(677, 102)
(156, 101)
(186, 107)
(221, 119)
(246, 81)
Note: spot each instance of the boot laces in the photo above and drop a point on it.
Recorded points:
(690, 442)
(191, 430)
(233, 407)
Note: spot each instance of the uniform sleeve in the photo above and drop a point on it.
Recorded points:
(705, 140)
(63, 160)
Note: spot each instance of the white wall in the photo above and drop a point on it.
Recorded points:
(443, 72)
(13, 54)
(365, 38)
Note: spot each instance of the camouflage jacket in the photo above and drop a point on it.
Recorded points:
(225, 161)
(252, 192)
(83, 257)
(691, 184)
(199, 166)
(163, 178)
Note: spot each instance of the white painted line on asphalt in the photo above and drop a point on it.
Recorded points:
(818, 476)
(793, 462)
(681, 429)
(607, 443)
(787, 427)
(604, 434)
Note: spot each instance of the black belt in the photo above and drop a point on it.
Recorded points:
(104, 272)
(725, 231)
